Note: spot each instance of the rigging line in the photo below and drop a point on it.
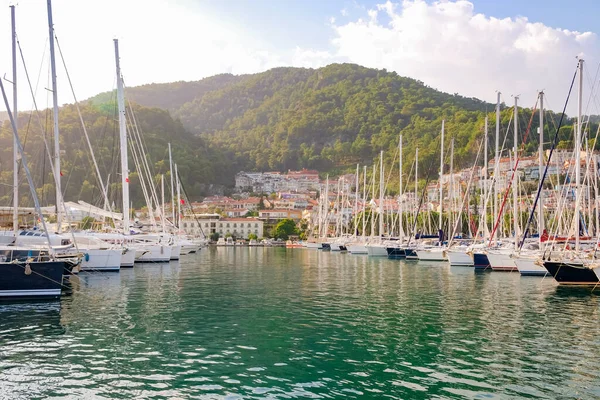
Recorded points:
(87, 138)
(465, 197)
(144, 155)
(512, 179)
(431, 163)
(541, 183)
(191, 208)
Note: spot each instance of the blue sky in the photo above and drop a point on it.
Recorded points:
(471, 47)
(306, 22)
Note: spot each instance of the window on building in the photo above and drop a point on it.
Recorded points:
(185, 224)
(235, 225)
(256, 225)
(256, 231)
(228, 224)
(206, 225)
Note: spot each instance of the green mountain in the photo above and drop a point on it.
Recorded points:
(328, 118)
(286, 118)
(197, 165)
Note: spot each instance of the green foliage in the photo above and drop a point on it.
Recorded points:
(286, 118)
(284, 229)
(252, 236)
(214, 236)
(329, 119)
(87, 222)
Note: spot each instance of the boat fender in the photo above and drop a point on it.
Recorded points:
(86, 256)
(27, 269)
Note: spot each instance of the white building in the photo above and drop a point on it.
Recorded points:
(212, 223)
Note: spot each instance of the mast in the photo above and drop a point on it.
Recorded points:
(400, 208)
(16, 119)
(59, 212)
(34, 195)
(326, 216)
(123, 141)
(441, 176)
(381, 194)
(178, 198)
(541, 173)
(416, 185)
(356, 189)
(497, 163)
(485, 171)
(162, 211)
(373, 199)
(172, 186)
(364, 200)
(451, 191)
(515, 188)
(578, 154)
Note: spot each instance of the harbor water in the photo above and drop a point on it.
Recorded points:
(275, 323)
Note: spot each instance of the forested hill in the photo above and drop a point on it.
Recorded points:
(328, 118)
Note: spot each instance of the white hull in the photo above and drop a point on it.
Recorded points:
(101, 259)
(528, 267)
(459, 258)
(313, 245)
(153, 253)
(357, 248)
(128, 258)
(189, 248)
(175, 252)
(377, 250)
(432, 255)
(31, 293)
(501, 261)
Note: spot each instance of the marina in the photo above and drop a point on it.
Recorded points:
(257, 322)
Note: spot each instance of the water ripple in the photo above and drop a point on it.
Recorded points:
(270, 323)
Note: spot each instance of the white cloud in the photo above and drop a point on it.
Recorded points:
(160, 41)
(449, 46)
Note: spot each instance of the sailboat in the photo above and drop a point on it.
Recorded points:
(24, 274)
(437, 252)
(576, 267)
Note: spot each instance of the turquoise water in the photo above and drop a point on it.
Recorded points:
(276, 323)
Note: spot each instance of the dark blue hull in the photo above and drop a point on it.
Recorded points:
(34, 280)
(396, 253)
(481, 262)
(571, 274)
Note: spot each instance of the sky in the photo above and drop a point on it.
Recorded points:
(474, 48)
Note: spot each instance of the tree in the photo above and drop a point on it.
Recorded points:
(284, 229)
(252, 236)
(214, 236)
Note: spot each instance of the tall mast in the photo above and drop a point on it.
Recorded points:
(364, 200)
(59, 212)
(440, 181)
(515, 185)
(451, 191)
(416, 185)
(356, 189)
(162, 211)
(172, 186)
(541, 168)
(381, 190)
(400, 208)
(326, 216)
(485, 171)
(497, 163)
(16, 119)
(123, 141)
(178, 198)
(373, 199)
(578, 154)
